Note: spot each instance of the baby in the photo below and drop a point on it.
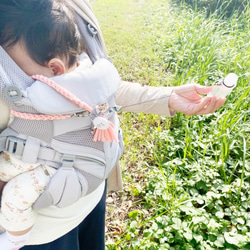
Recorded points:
(42, 38)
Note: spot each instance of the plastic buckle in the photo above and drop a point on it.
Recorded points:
(92, 30)
(14, 145)
(68, 160)
(13, 93)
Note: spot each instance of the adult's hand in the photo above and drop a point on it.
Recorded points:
(187, 99)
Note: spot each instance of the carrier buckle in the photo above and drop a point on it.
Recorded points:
(68, 160)
(92, 30)
(15, 145)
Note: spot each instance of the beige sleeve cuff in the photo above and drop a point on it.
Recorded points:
(133, 97)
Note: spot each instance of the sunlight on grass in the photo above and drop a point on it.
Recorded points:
(186, 179)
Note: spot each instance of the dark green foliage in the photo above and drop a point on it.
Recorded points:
(224, 8)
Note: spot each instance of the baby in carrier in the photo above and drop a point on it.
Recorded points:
(42, 38)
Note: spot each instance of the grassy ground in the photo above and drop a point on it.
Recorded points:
(186, 179)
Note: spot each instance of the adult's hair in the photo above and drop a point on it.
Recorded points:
(46, 27)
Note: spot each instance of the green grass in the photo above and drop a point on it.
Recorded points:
(186, 179)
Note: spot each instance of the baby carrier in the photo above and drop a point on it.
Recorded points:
(68, 122)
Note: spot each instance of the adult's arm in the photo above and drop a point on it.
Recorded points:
(133, 97)
(166, 101)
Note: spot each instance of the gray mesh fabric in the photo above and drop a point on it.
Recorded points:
(79, 137)
(42, 130)
(93, 181)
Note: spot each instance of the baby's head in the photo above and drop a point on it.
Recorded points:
(42, 32)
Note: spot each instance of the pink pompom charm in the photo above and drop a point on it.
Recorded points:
(104, 130)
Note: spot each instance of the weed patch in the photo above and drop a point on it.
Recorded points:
(186, 179)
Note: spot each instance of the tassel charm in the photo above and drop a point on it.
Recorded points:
(104, 130)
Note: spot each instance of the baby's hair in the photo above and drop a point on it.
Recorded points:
(47, 28)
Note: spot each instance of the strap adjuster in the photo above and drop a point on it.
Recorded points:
(68, 160)
(15, 145)
(92, 30)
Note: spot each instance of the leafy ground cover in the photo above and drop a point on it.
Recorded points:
(186, 179)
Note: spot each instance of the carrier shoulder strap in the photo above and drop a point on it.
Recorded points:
(89, 29)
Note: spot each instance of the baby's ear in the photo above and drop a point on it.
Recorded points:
(57, 66)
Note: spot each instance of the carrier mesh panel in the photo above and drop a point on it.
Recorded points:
(23, 108)
(93, 181)
(81, 137)
(14, 73)
(40, 129)
(15, 77)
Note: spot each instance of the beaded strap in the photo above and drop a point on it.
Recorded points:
(106, 133)
(64, 92)
(29, 116)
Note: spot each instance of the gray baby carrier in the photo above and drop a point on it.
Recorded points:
(66, 144)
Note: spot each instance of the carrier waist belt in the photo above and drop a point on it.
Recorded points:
(31, 151)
